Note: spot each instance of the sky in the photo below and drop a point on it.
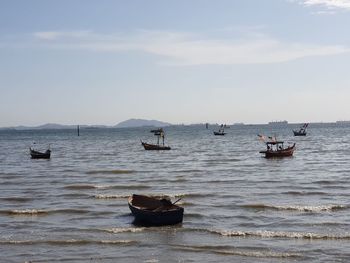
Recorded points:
(184, 61)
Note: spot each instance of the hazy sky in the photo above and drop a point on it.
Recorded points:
(183, 61)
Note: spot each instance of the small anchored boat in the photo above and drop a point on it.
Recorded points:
(156, 147)
(277, 149)
(154, 211)
(301, 131)
(221, 131)
(40, 155)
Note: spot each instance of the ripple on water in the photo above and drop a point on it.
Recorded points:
(233, 251)
(110, 172)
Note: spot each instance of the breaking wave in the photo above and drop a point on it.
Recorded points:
(276, 234)
(92, 186)
(319, 208)
(68, 242)
(33, 212)
(117, 230)
(101, 196)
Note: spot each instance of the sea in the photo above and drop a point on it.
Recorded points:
(238, 206)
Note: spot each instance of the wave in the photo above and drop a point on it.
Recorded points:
(269, 234)
(33, 212)
(303, 193)
(80, 186)
(277, 234)
(190, 195)
(225, 250)
(68, 242)
(92, 186)
(16, 199)
(319, 208)
(194, 215)
(101, 196)
(25, 212)
(110, 172)
(187, 171)
(117, 230)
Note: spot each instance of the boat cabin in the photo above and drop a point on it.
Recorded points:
(275, 146)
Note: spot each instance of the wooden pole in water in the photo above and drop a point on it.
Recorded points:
(78, 130)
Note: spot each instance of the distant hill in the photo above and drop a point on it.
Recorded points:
(141, 123)
(54, 126)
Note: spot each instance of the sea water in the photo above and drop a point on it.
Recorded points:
(239, 206)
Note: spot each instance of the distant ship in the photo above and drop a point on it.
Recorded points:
(278, 123)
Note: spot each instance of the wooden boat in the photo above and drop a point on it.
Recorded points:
(155, 147)
(301, 131)
(276, 149)
(153, 211)
(40, 155)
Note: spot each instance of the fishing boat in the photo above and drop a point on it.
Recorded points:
(154, 211)
(158, 146)
(221, 131)
(301, 131)
(40, 155)
(277, 149)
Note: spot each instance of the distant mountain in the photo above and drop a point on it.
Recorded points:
(141, 123)
(55, 126)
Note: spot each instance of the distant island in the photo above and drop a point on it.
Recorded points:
(124, 124)
(141, 123)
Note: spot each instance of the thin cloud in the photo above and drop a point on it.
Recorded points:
(331, 4)
(176, 48)
(54, 35)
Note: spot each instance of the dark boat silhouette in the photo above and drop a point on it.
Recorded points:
(221, 131)
(301, 131)
(154, 211)
(276, 149)
(156, 147)
(40, 155)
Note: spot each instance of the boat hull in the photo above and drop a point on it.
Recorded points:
(40, 155)
(154, 147)
(156, 216)
(219, 133)
(297, 133)
(151, 218)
